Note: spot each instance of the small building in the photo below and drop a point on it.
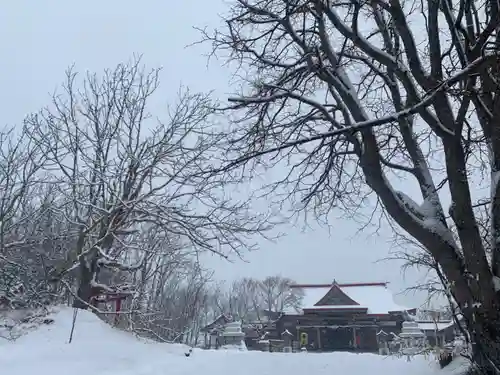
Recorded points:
(438, 333)
(265, 326)
(383, 339)
(213, 332)
(344, 317)
(287, 338)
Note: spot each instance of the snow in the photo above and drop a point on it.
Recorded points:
(378, 299)
(427, 214)
(435, 226)
(312, 295)
(431, 326)
(411, 205)
(102, 350)
(340, 307)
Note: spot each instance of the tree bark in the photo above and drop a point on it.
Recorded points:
(486, 345)
(85, 290)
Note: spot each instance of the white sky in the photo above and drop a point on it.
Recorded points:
(40, 39)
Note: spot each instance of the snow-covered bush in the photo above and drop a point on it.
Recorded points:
(16, 323)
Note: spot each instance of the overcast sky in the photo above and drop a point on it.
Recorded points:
(40, 39)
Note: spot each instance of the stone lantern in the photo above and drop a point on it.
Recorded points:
(412, 336)
(233, 337)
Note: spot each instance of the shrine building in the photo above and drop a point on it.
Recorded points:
(343, 317)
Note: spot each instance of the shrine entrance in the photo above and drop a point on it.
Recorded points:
(343, 337)
(336, 339)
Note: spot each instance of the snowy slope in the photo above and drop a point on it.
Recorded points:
(101, 350)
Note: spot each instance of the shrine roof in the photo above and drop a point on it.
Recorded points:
(374, 298)
(435, 326)
(219, 321)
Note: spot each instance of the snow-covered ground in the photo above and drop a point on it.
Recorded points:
(99, 349)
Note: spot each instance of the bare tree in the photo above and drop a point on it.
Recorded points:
(277, 294)
(21, 160)
(177, 312)
(122, 171)
(22, 209)
(247, 299)
(220, 301)
(353, 95)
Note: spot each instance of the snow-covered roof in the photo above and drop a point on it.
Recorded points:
(287, 332)
(376, 298)
(313, 294)
(219, 321)
(338, 307)
(290, 310)
(431, 326)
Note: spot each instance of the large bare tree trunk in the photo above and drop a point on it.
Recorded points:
(356, 96)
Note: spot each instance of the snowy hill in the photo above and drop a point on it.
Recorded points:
(107, 351)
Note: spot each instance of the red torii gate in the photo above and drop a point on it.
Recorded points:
(117, 297)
